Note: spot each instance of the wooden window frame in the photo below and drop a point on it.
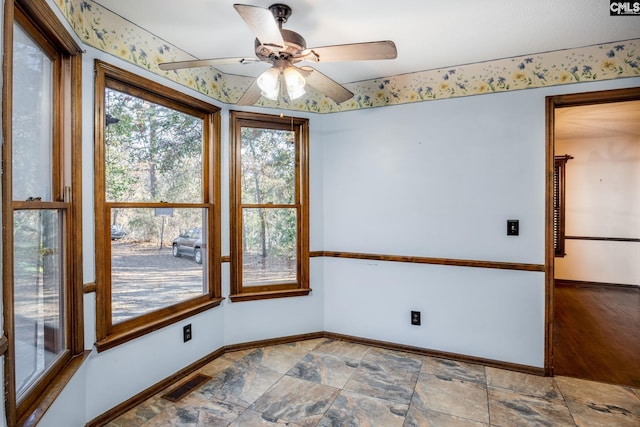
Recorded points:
(238, 120)
(40, 22)
(559, 190)
(108, 334)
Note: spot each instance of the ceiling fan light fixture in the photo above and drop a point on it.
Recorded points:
(269, 83)
(295, 82)
(283, 49)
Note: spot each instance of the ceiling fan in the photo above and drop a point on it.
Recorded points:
(283, 49)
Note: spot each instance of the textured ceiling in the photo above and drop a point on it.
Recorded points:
(614, 120)
(429, 34)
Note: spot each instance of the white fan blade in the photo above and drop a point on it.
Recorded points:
(205, 63)
(325, 85)
(262, 23)
(251, 95)
(352, 52)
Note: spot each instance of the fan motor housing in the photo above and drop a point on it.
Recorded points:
(294, 45)
(281, 12)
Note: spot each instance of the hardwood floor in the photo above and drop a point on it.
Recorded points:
(597, 332)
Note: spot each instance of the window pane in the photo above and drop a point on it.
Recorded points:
(38, 293)
(268, 246)
(32, 119)
(157, 259)
(268, 166)
(152, 153)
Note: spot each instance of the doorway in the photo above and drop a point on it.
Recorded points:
(593, 236)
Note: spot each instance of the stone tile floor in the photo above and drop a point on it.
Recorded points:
(325, 382)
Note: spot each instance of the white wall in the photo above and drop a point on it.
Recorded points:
(495, 314)
(440, 179)
(602, 200)
(68, 409)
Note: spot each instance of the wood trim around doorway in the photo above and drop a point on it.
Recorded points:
(553, 102)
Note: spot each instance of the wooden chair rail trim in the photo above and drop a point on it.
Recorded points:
(410, 259)
(604, 239)
(428, 260)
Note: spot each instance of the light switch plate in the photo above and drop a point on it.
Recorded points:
(513, 227)
(186, 333)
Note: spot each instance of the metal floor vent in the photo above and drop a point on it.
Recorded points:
(186, 387)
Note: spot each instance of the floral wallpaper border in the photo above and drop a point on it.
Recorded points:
(106, 31)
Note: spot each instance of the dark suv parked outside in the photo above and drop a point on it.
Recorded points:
(117, 232)
(190, 244)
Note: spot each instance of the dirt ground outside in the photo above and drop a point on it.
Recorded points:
(146, 277)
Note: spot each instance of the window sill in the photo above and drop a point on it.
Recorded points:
(35, 413)
(116, 339)
(285, 293)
